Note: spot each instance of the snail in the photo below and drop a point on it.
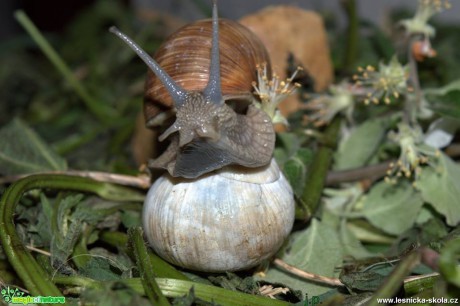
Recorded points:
(224, 204)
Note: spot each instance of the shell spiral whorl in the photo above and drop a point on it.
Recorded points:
(219, 222)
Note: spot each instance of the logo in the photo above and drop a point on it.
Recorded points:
(315, 300)
(16, 296)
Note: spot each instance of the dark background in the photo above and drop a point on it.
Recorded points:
(52, 15)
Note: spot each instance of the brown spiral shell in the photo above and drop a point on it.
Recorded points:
(185, 56)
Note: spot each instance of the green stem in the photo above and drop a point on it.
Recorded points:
(80, 281)
(36, 280)
(351, 49)
(104, 113)
(145, 268)
(421, 283)
(413, 102)
(177, 288)
(318, 172)
(162, 268)
(115, 239)
(394, 281)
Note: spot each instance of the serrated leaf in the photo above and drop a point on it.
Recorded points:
(23, 151)
(360, 146)
(442, 189)
(289, 143)
(317, 250)
(100, 268)
(293, 160)
(392, 208)
(233, 282)
(65, 231)
(295, 169)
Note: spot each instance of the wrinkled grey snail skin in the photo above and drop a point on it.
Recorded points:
(210, 133)
(224, 205)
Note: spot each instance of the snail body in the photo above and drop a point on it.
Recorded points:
(224, 205)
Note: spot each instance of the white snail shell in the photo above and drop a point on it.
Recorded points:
(226, 221)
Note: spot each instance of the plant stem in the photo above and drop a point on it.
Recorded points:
(371, 172)
(101, 111)
(141, 181)
(145, 268)
(419, 283)
(412, 102)
(317, 173)
(308, 275)
(396, 278)
(176, 288)
(34, 277)
(351, 49)
(115, 239)
(162, 268)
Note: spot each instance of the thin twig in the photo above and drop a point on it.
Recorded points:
(141, 181)
(420, 277)
(334, 281)
(307, 275)
(372, 172)
(412, 104)
(38, 250)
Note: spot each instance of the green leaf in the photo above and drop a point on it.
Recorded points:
(316, 250)
(66, 231)
(442, 188)
(392, 208)
(441, 132)
(233, 282)
(287, 145)
(445, 100)
(351, 244)
(447, 105)
(293, 160)
(131, 218)
(99, 268)
(39, 222)
(295, 169)
(448, 262)
(23, 151)
(335, 205)
(113, 294)
(360, 146)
